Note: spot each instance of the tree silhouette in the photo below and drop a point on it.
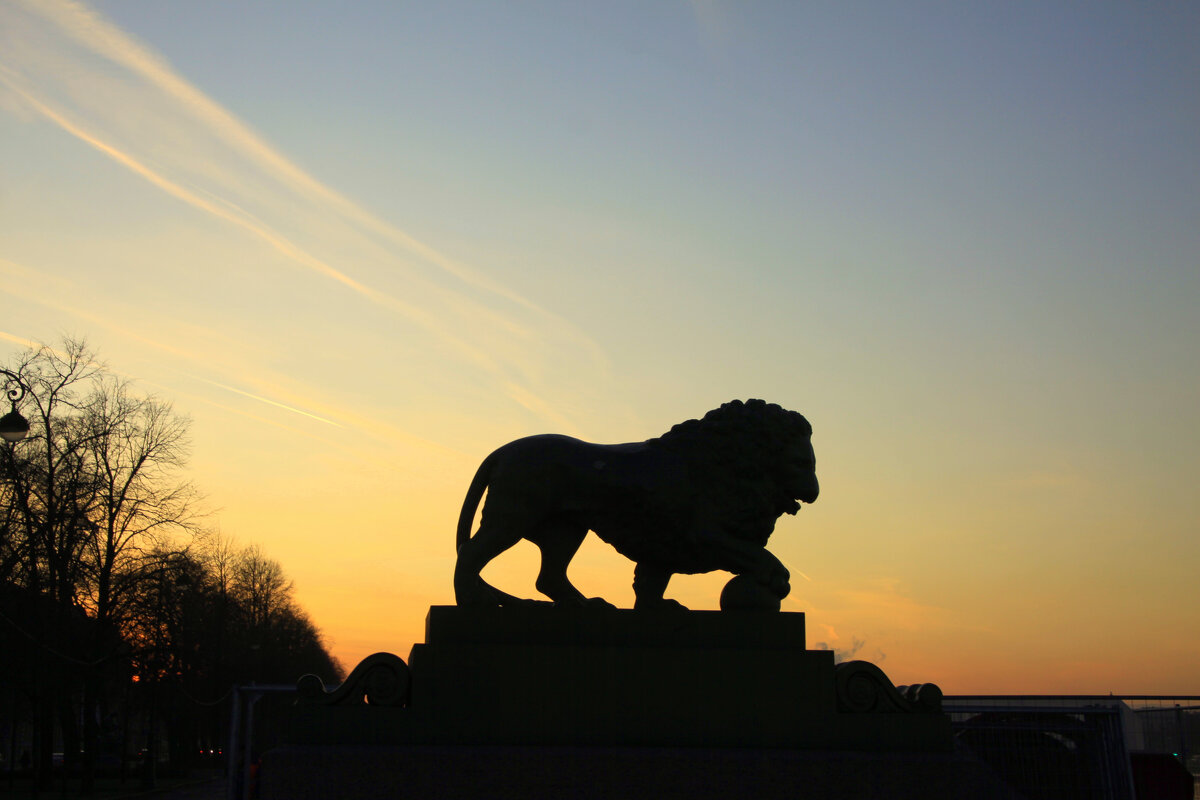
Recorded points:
(114, 604)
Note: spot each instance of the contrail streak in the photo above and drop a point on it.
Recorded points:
(268, 401)
(175, 190)
(91, 30)
(155, 124)
(278, 242)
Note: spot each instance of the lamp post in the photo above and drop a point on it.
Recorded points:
(13, 427)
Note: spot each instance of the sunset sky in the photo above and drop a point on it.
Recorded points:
(362, 244)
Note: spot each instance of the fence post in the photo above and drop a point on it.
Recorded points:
(234, 776)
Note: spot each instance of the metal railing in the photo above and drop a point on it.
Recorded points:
(1093, 746)
(1045, 747)
(252, 733)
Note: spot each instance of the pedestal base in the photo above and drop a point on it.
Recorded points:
(607, 703)
(596, 773)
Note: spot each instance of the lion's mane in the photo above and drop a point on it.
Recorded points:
(735, 454)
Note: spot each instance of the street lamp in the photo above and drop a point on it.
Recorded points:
(13, 427)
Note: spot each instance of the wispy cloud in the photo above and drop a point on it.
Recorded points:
(34, 287)
(73, 68)
(841, 654)
(232, 214)
(95, 33)
(884, 599)
(18, 340)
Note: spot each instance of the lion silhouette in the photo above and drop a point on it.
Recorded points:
(704, 496)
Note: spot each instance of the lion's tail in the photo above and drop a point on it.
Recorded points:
(474, 494)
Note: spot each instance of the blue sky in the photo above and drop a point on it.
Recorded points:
(362, 245)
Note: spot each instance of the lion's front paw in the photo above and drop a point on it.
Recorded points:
(776, 583)
(774, 575)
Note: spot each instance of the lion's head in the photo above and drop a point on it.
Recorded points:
(751, 462)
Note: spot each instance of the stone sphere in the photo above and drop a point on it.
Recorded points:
(743, 593)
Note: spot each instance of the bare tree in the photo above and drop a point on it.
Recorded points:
(47, 492)
(220, 553)
(274, 633)
(137, 448)
(48, 489)
(94, 487)
(107, 591)
(260, 587)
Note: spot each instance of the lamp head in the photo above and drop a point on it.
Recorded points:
(13, 427)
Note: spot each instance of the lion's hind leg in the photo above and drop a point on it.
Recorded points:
(559, 540)
(470, 589)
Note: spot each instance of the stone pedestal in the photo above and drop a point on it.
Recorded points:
(568, 702)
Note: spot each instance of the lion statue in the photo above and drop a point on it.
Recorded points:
(704, 496)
